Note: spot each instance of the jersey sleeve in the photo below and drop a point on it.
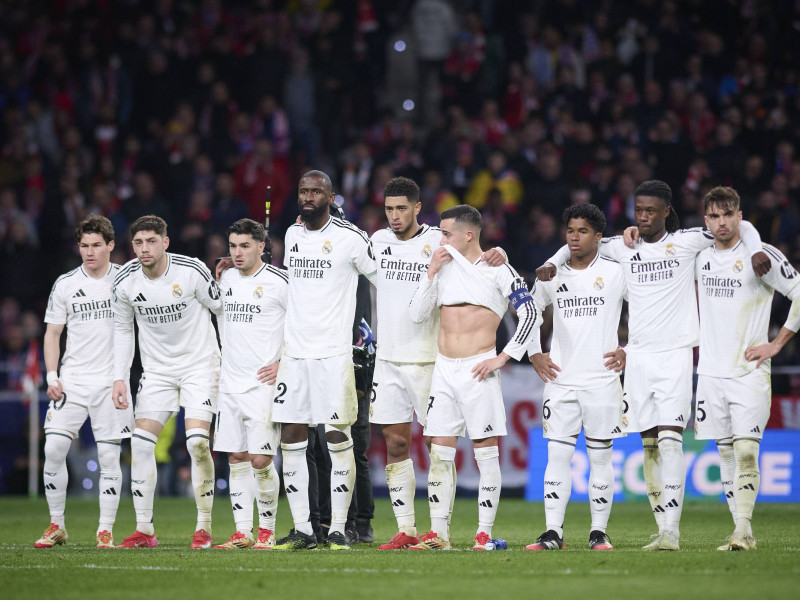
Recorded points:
(364, 258)
(516, 290)
(695, 239)
(784, 278)
(541, 300)
(124, 343)
(56, 312)
(424, 300)
(750, 237)
(559, 257)
(611, 247)
(207, 289)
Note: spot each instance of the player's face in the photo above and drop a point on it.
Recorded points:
(651, 214)
(313, 198)
(245, 251)
(401, 214)
(582, 239)
(723, 221)
(456, 235)
(95, 253)
(149, 247)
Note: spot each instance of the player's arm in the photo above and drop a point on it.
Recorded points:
(269, 373)
(426, 296)
(124, 345)
(608, 247)
(786, 280)
(52, 352)
(545, 368)
(752, 241)
(522, 301)
(207, 289)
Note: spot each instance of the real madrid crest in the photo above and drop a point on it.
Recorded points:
(426, 251)
(670, 250)
(258, 293)
(177, 291)
(598, 283)
(544, 426)
(327, 247)
(738, 266)
(624, 422)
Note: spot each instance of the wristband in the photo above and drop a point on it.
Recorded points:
(52, 378)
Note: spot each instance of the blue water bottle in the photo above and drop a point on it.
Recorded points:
(497, 544)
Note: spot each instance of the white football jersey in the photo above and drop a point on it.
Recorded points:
(83, 304)
(253, 310)
(586, 308)
(323, 268)
(735, 306)
(172, 312)
(401, 266)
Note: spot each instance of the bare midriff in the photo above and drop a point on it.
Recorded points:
(467, 330)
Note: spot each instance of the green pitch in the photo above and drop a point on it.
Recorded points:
(78, 570)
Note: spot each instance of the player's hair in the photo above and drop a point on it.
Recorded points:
(326, 181)
(149, 223)
(248, 227)
(724, 197)
(659, 189)
(464, 214)
(95, 224)
(591, 213)
(402, 186)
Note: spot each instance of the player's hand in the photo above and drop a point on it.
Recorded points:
(762, 352)
(55, 391)
(223, 265)
(484, 368)
(120, 395)
(630, 236)
(440, 256)
(616, 360)
(268, 374)
(546, 272)
(494, 257)
(544, 367)
(761, 263)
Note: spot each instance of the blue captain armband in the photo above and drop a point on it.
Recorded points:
(519, 297)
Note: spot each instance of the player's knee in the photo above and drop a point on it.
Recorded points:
(338, 434)
(397, 445)
(56, 445)
(108, 456)
(198, 445)
(260, 461)
(746, 452)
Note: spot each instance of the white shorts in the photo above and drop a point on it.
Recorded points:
(398, 391)
(244, 422)
(459, 403)
(732, 406)
(195, 390)
(316, 391)
(598, 411)
(658, 389)
(81, 402)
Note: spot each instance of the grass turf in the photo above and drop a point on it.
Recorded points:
(78, 570)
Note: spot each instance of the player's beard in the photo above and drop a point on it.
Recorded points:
(308, 215)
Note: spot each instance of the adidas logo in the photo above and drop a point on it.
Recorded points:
(237, 506)
(290, 488)
(562, 288)
(140, 298)
(486, 504)
(342, 489)
(599, 500)
(294, 249)
(659, 508)
(230, 292)
(433, 498)
(636, 258)
(207, 402)
(749, 486)
(110, 492)
(126, 430)
(334, 416)
(208, 493)
(266, 447)
(398, 502)
(755, 429)
(707, 266)
(137, 493)
(552, 496)
(672, 503)
(387, 252)
(488, 429)
(729, 494)
(266, 514)
(79, 294)
(679, 419)
(49, 486)
(617, 430)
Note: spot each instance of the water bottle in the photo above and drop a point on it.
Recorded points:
(497, 544)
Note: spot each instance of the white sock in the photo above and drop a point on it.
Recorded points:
(454, 480)
(488, 460)
(727, 471)
(343, 480)
(601, 483)
(295, 482)
(673, 474)
(202, 475)
(402, 485)
(557, 482)
(110, 486)
(652, 477)
(267, 494)
(441, 488)
(241, 493)
(143, 478)
(56, 478)
(748, 478)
